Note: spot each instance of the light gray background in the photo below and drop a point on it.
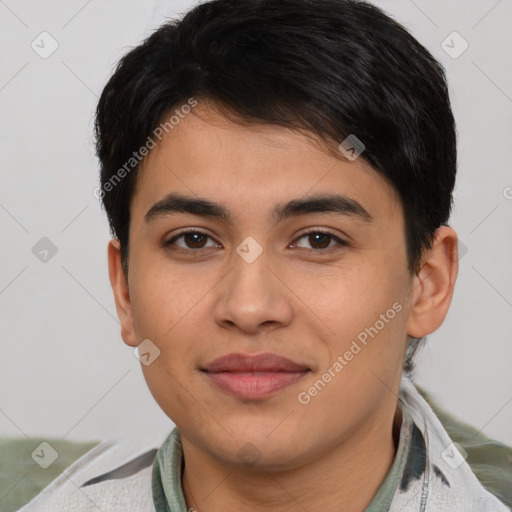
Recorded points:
(64, 370)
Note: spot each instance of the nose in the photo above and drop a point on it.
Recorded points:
(254, 296)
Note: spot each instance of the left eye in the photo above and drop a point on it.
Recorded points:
(321, 240)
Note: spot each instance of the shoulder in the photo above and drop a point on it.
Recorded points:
(447, 478)
(113, 476)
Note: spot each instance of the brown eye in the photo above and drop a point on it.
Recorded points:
(191, 240)
(320, 240)
(194, 240)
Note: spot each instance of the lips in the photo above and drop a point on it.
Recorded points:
(258, 363)
(254, 377)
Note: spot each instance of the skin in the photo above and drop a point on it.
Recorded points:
(293, 300)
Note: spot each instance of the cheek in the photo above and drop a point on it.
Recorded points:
(163, 296)
(367, 312)
(351, 297)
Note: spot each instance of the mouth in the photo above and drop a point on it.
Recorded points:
(254, 377)
(266, 362)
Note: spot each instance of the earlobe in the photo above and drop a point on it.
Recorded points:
(118, 281)
(432, 287)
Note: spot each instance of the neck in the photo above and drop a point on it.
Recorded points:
(347, 477)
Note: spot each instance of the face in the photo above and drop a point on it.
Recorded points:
(326, 287)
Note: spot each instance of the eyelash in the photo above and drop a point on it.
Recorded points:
(340, 243)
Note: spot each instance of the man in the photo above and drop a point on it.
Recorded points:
(278, 178)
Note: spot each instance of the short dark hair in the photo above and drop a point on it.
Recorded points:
(332, 68)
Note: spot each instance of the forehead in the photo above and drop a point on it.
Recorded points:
(252, 167)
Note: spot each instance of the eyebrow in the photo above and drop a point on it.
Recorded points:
(327, 203)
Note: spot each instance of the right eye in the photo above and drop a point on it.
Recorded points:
(192, 239)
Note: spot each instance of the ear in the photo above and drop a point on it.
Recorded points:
(432, 287)
(119, 284)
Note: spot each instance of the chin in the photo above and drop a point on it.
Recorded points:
(262, 447)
